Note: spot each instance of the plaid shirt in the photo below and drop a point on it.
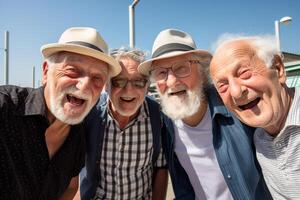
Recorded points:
(126, 167)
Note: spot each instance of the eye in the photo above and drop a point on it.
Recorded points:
(72, 72)
(222, 87)
(141, 83)
(181, 69)
(98, 80)
(245, 74)
(161, 72)
(118, 82)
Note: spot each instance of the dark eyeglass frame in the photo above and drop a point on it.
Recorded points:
(122, 82)
(154, 79)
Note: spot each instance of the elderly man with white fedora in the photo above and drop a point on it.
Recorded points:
(209, 151)
(42, 140)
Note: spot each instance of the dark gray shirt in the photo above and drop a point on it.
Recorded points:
(26, 170)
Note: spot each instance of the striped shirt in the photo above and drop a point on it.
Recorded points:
(126, 162)
(279, 157)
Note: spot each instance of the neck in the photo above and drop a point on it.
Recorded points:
(196, 118)
(287, 99)
(122, 120)
(55, 135)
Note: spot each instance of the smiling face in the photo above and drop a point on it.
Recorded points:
(250, 89)
(72, 85)
(126, 101)
(180, 97)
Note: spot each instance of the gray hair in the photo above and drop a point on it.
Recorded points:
(203, 68)
(135, 54)
(124, 52)
(264, 46)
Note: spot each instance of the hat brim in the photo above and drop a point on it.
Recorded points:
(114, 66)
(145, 67)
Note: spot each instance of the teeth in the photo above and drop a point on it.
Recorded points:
(74, 100)
(177, 92)
(77, 96)
(127, 98)
(250, 104)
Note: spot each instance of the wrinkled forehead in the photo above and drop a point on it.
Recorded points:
(232, 51)
(74, 57)
(130, 68)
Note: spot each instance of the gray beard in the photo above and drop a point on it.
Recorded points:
(180, 107)
(56, 99)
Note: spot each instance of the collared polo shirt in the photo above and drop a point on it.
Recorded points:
(279, 156)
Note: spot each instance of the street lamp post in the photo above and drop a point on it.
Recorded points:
(33, 77)
(284, 20)
(131, 24)
(6, 57)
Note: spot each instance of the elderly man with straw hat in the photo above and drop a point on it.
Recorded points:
(42, 140)
(208, 150)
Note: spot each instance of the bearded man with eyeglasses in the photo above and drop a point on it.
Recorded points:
(124, 157)
(209, 152)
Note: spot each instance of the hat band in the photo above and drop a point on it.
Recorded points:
(171, 47)
(86, 45)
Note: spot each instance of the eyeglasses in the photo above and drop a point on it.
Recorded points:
(121, 83)
(179, 69)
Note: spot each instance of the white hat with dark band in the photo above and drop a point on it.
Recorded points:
(86, 41)
(171, 43)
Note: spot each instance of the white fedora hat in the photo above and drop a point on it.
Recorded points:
(170, 43)
(86, 41)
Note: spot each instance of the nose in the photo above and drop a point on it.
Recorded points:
(171, 78)
(236, 89)
(128, 86)
(83, 83)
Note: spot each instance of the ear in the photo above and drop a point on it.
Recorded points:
(279, 66)
(44, 73)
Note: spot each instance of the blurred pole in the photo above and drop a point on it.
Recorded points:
(284, 20)
(6, 58)
(277, 35)
(132, 24)
(33, 77)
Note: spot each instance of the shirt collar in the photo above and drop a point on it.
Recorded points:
(292, 117)
(35, 103)
(216, 105)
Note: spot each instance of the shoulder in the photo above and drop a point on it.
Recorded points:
(152, 106)
(151, 100)
(13, 92)
(12, 96)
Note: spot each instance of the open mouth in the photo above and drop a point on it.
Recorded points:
(127, 99)
(75, 100)
(250, 104)
(178, 93)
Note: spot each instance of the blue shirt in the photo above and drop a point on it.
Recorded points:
(233, 144)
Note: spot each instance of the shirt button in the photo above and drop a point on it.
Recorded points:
(228, 176)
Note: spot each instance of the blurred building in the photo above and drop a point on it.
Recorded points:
(292, 68)
(153, 92)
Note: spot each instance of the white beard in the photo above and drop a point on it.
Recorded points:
(180, 107)
(57, 101)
